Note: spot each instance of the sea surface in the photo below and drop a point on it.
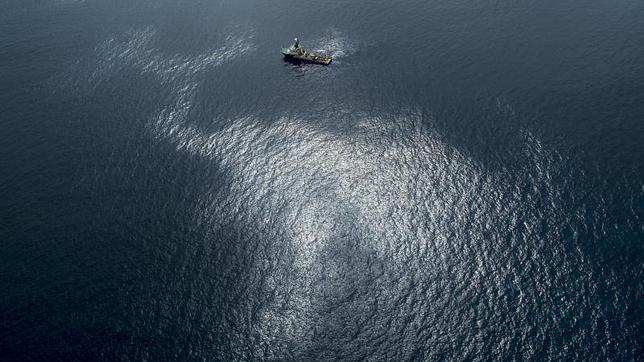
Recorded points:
(464, 182)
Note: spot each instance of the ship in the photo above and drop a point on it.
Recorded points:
(298, 54)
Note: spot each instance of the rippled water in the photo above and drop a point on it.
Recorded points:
(464, 181)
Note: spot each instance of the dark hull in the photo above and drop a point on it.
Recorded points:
(312, 59)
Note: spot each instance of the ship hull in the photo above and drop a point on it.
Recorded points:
(312, 58)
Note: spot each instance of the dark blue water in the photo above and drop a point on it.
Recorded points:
(465, 181)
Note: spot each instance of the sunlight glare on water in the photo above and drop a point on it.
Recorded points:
(464, 181)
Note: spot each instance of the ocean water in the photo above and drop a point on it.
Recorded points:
(464, 182)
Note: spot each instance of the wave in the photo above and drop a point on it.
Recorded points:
(136, 49)
(401, 193)
(335, 43)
